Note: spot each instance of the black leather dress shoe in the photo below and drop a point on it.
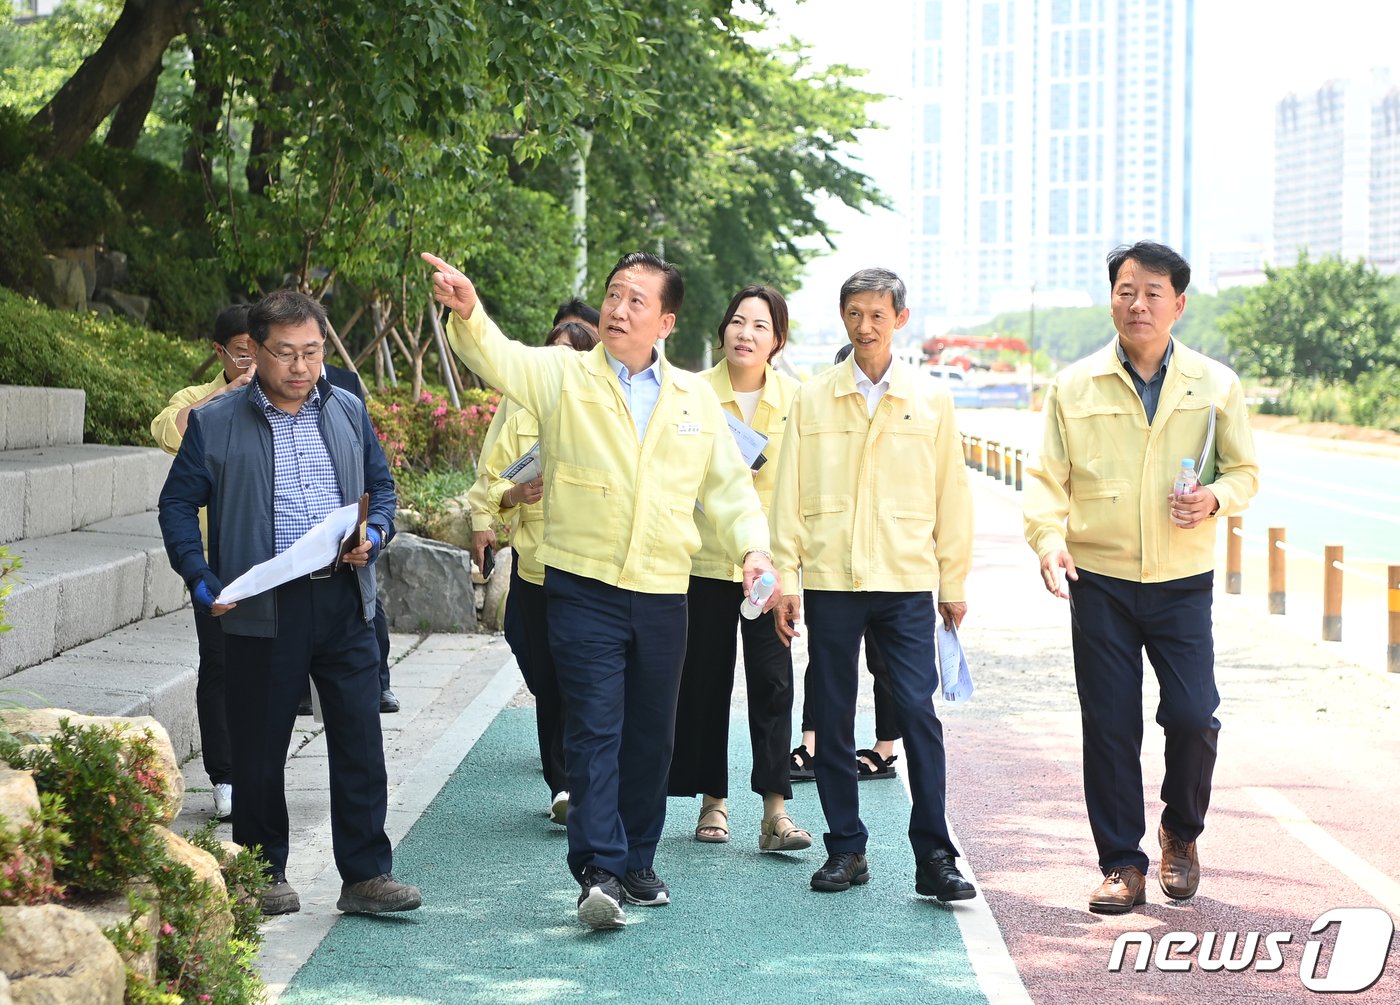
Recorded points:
(388, 701)
(938, 876)
(842, 870)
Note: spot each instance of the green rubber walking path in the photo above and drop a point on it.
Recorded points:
(498, 924)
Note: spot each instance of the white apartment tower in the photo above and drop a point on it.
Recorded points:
(1045, 133)
(1322, 184)
(1385, 182)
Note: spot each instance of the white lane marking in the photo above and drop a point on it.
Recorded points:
(1379, 886)
(1333, 504)
(997, 976)
(1351, 490)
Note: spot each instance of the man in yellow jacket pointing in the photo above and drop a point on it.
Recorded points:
(630, 444)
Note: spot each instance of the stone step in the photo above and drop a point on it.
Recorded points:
(40, 416)
(78, 586)
(147, 668)
(53, 490)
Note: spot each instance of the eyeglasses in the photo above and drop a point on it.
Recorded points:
(287, 358)
(242, 362)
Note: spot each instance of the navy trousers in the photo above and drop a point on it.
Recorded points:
(214, 746)
(701, 759)
(531, 609)
(903, 625)
(323, 635)
(886, 723)
(1113, 621)
(618, 656)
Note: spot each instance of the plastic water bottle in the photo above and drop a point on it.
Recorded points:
(752, 605)
(1186, 482)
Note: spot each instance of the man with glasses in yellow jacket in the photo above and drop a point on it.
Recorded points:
(1100, 511)
(873, 508)
(629, 444)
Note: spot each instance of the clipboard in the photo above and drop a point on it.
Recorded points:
(357, 535)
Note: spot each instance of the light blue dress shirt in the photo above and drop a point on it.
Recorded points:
(641, 391)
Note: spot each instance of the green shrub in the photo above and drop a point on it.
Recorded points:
(128, 372)
(70, 207)
(1374, 401)
(113, 791)
(30, 853)
(9, 565)
(177, 271)
(20, 246)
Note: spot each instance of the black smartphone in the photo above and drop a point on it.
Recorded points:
(488, 561)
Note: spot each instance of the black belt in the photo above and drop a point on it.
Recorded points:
(325, 573)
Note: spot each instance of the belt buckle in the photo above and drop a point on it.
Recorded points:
(325, 573)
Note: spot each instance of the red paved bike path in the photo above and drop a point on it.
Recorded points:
(1304, 814)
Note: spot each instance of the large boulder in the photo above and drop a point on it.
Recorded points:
(130, 306)
(112, 269)
(114, 909)
(43, 723)
(427, 586)
(205, 867)
(61, 284)
(18, 797)
(87, 261)
(55, 956)
(452, 524)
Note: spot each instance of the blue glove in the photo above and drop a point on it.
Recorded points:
(203, 597)
(376, 540)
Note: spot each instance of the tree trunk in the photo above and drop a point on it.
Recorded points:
(130, 116)
(127, 56)
(208, 107)
(579, 210)
(265, 146)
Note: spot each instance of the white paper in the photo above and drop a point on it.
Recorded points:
(316, 549)
(751, 442)
(952, 665)
(526, 468)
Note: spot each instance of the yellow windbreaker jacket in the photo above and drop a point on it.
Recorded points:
(873, 503)
(163, 428)
(516, 435)
(479, 503)
(1100, 487)
(617, 511)
(711, 561)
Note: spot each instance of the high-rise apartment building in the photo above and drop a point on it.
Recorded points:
(1045, 132)
(1322, 157)
(1385, 181)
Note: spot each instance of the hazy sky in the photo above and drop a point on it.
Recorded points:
(1249, 53)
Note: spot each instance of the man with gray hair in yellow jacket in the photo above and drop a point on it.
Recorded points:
(629, 444)
(1100, 510)
(873, 508)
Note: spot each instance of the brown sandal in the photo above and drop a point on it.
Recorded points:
(779, 833)
(713, 825)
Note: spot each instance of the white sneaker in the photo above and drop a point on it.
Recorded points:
(223, 800)
(559, 809)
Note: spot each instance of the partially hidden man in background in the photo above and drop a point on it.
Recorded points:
(269, 461)
(1099, 510)
(629, 445)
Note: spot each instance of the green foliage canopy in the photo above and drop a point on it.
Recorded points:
(1329, 319)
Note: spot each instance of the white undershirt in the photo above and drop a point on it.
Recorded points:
(872, 390)
(748, 404)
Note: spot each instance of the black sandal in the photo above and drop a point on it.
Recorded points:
(883, 767)
(800, 765)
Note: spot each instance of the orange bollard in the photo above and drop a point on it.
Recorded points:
(1393, 603)
(1277, 603)
(1010, 459)
(1332, 594)
(1020, 461)
(993, 457)
(1233, 558)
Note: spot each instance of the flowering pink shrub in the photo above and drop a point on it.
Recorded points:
(429, 434)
